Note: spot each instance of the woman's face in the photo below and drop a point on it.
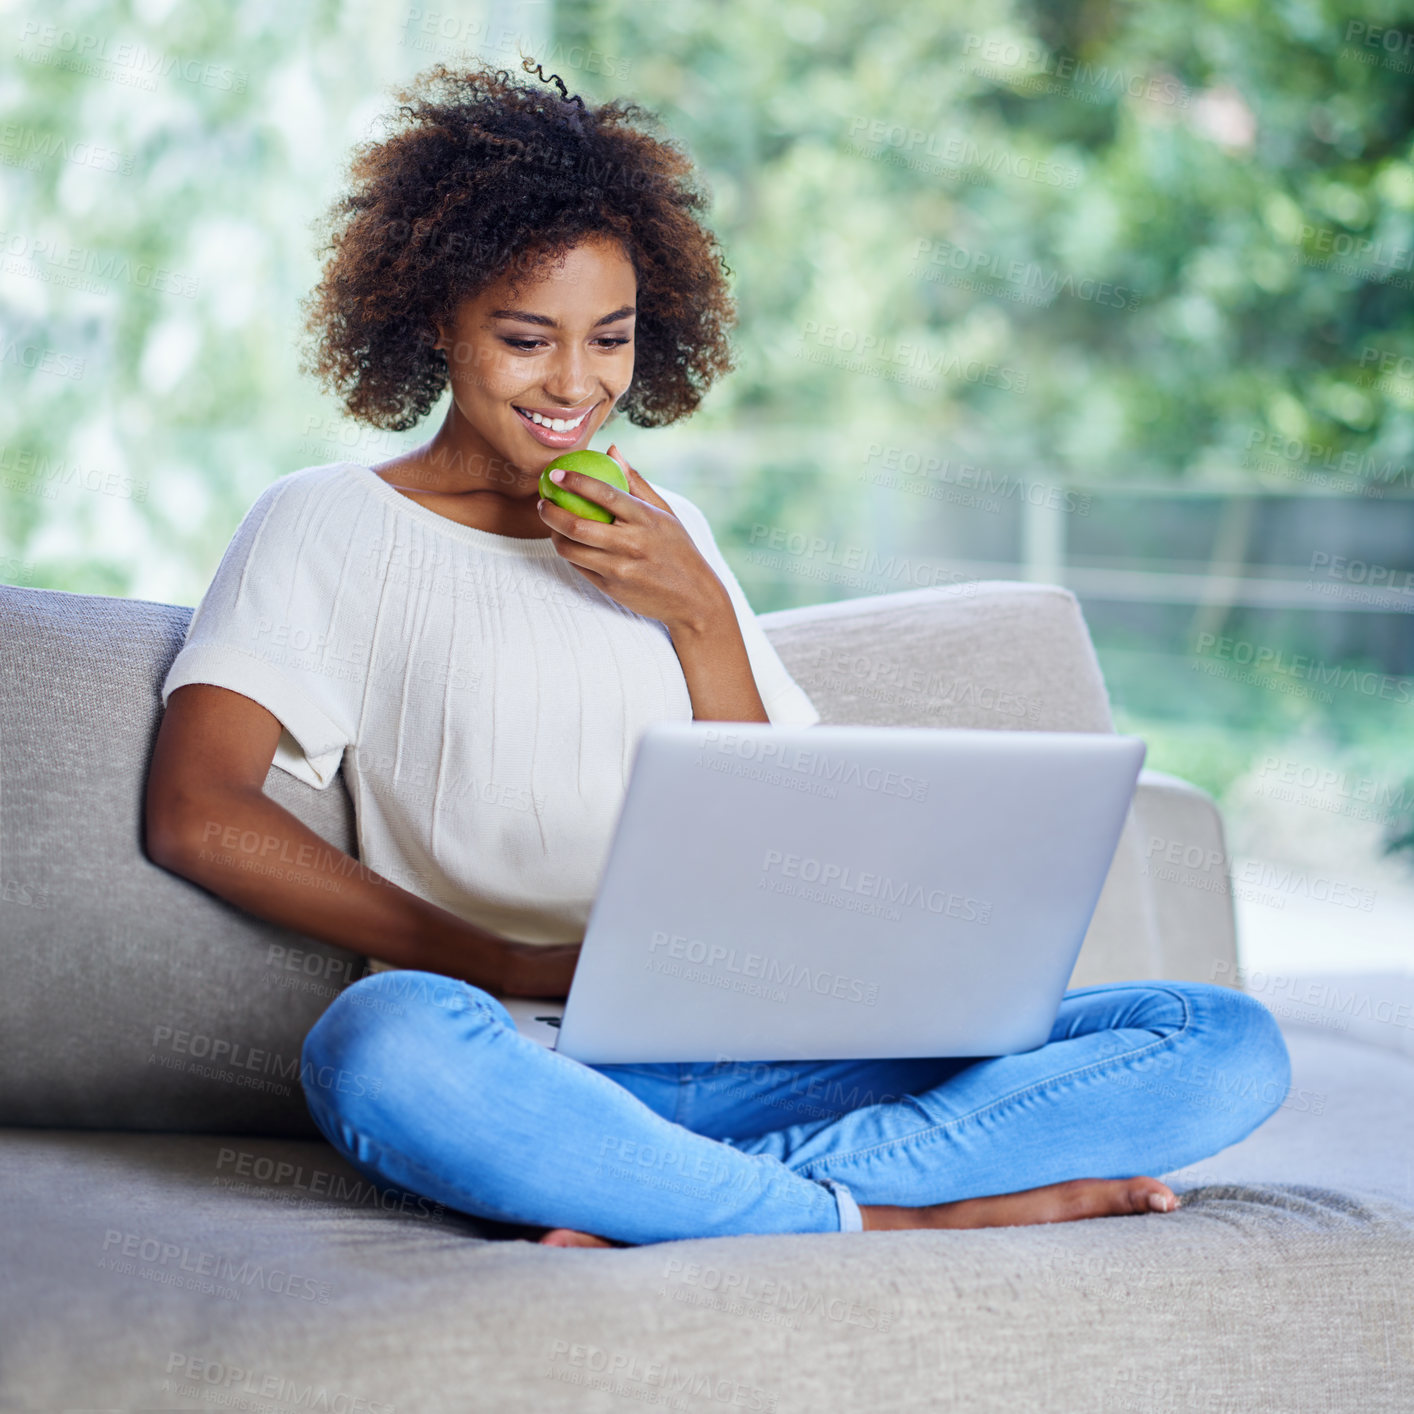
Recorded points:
(558, 343)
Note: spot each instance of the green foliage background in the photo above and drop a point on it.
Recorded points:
(1242, 171)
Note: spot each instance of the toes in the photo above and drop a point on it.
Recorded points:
(1114, 1197)
(1148, 1195)
(569, 1237)
(566, 1237)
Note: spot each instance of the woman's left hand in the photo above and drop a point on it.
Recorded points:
(645, 559)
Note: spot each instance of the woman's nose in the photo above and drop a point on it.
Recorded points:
(568, 378)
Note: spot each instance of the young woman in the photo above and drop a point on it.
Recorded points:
(482, 663)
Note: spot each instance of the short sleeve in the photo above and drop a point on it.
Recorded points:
(278, 625)
(785, 701)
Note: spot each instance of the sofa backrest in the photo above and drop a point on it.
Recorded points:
(134, 999)
(997, 655)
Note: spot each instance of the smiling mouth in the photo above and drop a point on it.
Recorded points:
(555, 424)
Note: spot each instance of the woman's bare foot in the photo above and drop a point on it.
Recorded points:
(569, 1237)
(1053, 1203)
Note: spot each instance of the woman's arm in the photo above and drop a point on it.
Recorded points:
(718, 672)
(209, 820)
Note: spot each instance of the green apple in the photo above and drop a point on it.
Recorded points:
(594, 464)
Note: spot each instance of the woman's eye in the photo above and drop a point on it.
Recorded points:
(527, 344)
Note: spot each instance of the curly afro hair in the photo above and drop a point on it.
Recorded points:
(482, 175)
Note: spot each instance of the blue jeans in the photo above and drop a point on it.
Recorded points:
(423, 1084)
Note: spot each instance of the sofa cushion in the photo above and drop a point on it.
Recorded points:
(999, 656)
(132, 998)
(171, 1271)
(136, 999)
(992, 654)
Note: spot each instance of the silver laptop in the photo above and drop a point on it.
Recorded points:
(809, 893)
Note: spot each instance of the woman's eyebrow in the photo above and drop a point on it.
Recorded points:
(526, 317)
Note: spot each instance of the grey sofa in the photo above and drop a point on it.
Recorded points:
(177, 1235)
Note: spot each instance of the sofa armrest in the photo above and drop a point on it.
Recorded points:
(1186, 862)
(1011, 656)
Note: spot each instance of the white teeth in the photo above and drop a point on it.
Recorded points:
(556, 424)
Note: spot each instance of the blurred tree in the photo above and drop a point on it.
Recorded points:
(1082, 242)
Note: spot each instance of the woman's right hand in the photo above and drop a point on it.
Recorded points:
(537, 969)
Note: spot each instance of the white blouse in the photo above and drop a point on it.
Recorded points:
(484, 697)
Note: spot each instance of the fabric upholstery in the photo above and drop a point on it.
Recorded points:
(179, 1011)
(243, 1265)
(121, 978)
(1281, 1287)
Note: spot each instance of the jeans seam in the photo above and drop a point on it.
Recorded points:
(852, 1154)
